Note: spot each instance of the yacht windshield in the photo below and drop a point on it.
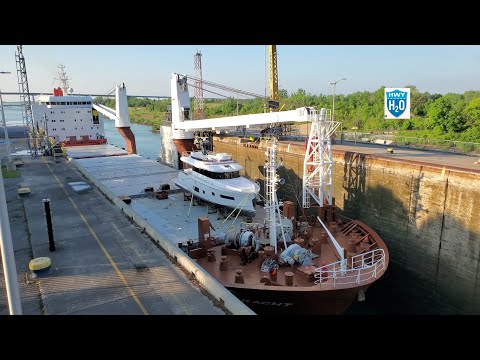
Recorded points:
(217, 175)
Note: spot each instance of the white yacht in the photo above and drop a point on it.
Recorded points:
(215, 177)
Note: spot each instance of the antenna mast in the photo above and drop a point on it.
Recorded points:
(271, 201)
(28, 120)
(198, 85)
(318, 161)
(62, 77)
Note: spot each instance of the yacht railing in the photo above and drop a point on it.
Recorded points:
(360, 269)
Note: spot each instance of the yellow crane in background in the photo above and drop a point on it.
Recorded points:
(273, 102)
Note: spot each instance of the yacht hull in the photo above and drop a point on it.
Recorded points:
(221, 197)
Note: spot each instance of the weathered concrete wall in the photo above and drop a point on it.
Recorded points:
(427, 215)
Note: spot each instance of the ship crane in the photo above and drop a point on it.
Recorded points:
(274, 95)
(121, 117)
(317, 168)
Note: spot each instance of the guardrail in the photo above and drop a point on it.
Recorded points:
(362, 269)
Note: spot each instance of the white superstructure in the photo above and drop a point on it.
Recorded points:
(216, 178)
(66, 116)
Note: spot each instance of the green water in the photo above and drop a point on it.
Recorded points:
(148, 142)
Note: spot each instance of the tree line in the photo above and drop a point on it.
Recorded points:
(451, 116)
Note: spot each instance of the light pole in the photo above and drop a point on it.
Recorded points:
(354, 128)
(6, 246)
(333, 99)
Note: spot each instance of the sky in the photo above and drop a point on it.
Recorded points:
(146, 69)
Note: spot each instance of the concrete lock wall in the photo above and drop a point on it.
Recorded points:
(426, 214)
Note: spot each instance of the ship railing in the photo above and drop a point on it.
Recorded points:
(360, 269)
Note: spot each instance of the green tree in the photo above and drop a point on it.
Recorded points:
(443, 114)
(283, 94)
(229, 106)
(418, 101)
(468, 96)
(472, 113)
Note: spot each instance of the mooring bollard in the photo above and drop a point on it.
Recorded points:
(48, 216)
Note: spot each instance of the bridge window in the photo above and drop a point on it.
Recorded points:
(196, 189)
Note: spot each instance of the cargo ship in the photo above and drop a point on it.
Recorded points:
(66, 119)
(275, 262)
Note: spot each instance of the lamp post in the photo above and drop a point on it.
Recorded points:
(6, 247)
(333, 100)
(355, 128)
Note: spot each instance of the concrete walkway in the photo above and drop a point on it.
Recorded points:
(103, 263)
(431, 157)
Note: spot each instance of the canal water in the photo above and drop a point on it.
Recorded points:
(148, 141)
(13, 114)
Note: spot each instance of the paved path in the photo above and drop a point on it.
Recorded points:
(103, 264)
(427, 156)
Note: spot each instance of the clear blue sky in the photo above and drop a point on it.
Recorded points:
(146, 69)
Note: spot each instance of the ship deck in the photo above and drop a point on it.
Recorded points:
(175, 216)
(303, 276)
